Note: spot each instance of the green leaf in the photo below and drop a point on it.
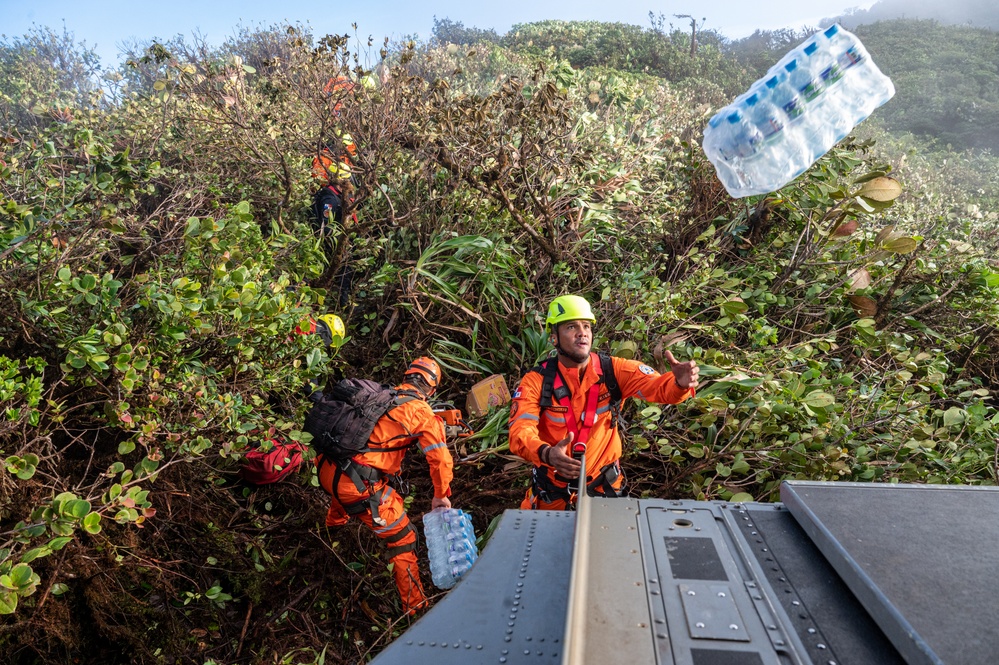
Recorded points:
(904, 245)
(58, 543)
(77, 509)
(864, 205)
(954, 416)
(881, 189)
(125, 447)
(22, 576)
(818, 400)
(740, 466)
(741, 497)
(36, 553)
(65, 274)
(8, 601)
(59, 588)
(868, 177)
(92, 523)
(734, 307)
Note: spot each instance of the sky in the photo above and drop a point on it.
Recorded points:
(106, 25)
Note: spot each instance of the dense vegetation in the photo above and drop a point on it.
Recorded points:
(156, 257)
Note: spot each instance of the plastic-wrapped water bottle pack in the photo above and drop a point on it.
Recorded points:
(450, 545)
(813, 97)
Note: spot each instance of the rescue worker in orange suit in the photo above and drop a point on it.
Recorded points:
(576, 412)
(362, 490)
(333, 171)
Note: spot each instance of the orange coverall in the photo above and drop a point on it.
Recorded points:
(412, 421)
(530, 428)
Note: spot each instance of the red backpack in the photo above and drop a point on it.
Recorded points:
(263, 467)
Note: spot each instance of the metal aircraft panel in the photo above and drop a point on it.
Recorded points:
(509, 608)
(923, 559)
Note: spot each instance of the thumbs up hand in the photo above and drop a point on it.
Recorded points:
(684, 373)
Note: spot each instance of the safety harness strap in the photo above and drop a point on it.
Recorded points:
(396, 550)
(544, 487)
(603, 484)
(363, 478)
(580, 429)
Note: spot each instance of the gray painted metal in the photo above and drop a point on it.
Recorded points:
(509, 608)
(715, 583)
(923, 559)
(712, 601)
(610, 623)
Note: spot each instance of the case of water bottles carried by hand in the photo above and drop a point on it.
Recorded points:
(805, 104)
(450, 545)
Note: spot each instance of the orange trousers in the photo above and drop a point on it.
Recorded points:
(397, 533)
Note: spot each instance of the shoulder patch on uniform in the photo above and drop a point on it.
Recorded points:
(514, 407)
(516, 393)
(645, 369)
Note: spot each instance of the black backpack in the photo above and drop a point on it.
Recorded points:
(341, 422)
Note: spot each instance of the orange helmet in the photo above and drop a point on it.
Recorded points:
(339, 83)
(428, 369)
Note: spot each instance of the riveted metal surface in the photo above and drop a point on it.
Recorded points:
(509, 608)
(639, 560)
(802, 592)
(691, 554)
(711, 612)
(921, 558)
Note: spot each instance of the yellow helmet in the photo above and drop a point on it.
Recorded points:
(568, 308)
(331, 329)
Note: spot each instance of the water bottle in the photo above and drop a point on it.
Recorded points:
(841, 56)
(847, 51)
(868, 87)
(739, 138)
(813, 97)
(782, 140)
(785, 96)
(450, 545)
(764, 115)
(806, 81)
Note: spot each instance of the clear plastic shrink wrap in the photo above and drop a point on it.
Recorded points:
(804, 105)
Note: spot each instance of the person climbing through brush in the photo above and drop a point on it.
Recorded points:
(360, 485)
(570, 404)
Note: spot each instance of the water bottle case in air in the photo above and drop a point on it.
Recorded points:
(788, 119)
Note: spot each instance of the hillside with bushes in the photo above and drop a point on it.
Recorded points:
(156, 256)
